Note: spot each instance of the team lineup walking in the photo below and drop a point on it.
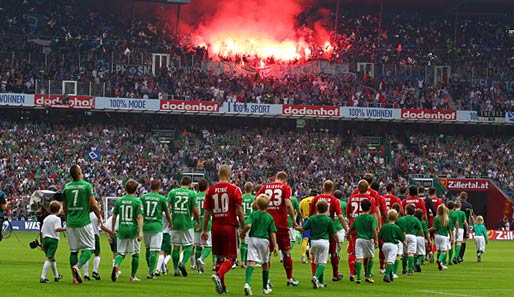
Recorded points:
(258, 224)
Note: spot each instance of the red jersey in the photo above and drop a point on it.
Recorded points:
(278, 193)
(334, 206)
(436, 201)
(370, 192)
(390, 200)
(382, 206)
(353, 206)
(222, 199)
(418, 202)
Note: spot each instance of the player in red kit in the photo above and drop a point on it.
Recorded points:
(335, 213)
(390, 198)
(223, 202)
(414, 199)
(436, 202)
(376, 207)
(353, 210)
(383, 210)
(280, 206)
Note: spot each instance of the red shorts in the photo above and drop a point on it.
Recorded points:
(224, 241)
(351, 242)
(283, 239)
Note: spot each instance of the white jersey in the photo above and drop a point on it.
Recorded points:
(94, 222)
(50, 223)
(108, 224)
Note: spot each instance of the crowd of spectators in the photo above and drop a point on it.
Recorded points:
(68, 40)
(36, 156)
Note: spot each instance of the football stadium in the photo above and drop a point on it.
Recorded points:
(256, 147)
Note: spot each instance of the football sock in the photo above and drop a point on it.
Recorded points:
(147, 258)
(74, 258)
(205, 253)
(244, 252)
(84, 257)
(334, 260)
(411, 263)
(305, 241)
(46, 266)
(249, 271)
(96, 264)
(167, 259)
(395, 267)
(153, 260)
(265, 278)
(135, 264)
(462, 250)
(369, 267)
(54, 268)
(442, 258)
(365, 265)
(293, 243)
(457, 252)
(319, 271)
(198, 252)
(389, 270)
(175, 256)
(86, 268)
(288, 265)
(351, 263)
(119, 259)
(225, 267)
(450, 255)
(188, 250)
(381, 257)
(358, 268)
(404, 264)
(313, 266)
(160, 261)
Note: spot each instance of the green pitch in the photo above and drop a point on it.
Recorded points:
(20, 269)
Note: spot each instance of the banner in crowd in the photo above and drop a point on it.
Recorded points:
(22, 226)
(496, 235)
(61, 101)
(370, 113)
(311, 111)
(467, 116)
(132, 70)
(127, 104)
(505, 84)
(509, 117)
(277, 70)
(189, 106)
(429, 115)
(465, 184)
(251, 108)
(11, 99)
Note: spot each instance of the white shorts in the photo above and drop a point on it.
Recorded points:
(153, 241)
(411, 244)
(129, 246)
(460, 235)
(81, 238)
(400, 249)
(420, 247)
(341, 234)
(364, 248)
(258, 250)
(480, 243)
(292, 234)
(182, 237)
(319, 249)
(441, 243)
(455, 235)
(198, 239)
(390, 251)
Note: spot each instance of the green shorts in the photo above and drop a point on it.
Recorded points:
(51, 245)
(166, 243)
(114, 244)
(97, 244)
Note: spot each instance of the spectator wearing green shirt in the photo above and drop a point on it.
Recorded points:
(129, 209)
(322, 228)
(183, 207)
(78, 201)
(154, 205)
(262, 229)
(365, 226)
(481, 238)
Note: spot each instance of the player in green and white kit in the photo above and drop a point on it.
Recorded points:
(341, 233)
(411, 226)
(96, 261)
(183, 206)
(248, 199)
(454, 226)
(154, 205)
(78, 201)
(459, 233)
(203, 248)
(365, 226)
(391, 234)
(129, 209)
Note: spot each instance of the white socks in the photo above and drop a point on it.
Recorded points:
(86, 269)
(46, 266)
(96, 264)
(160, 261)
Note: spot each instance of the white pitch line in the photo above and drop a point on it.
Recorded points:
(446, 293)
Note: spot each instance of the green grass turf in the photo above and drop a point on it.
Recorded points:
(20, 268)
